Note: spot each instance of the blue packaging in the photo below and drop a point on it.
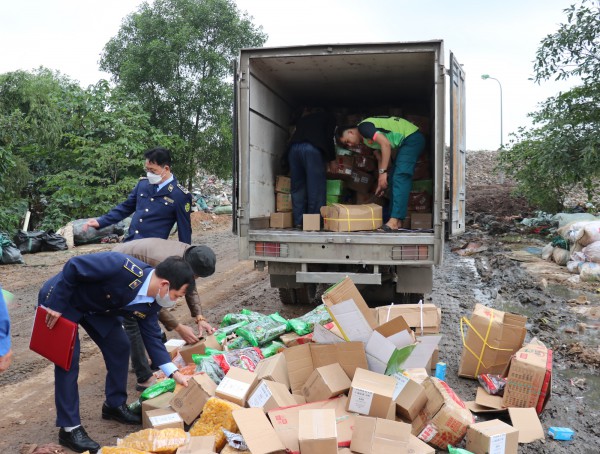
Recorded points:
(440, 371)
(561, 433)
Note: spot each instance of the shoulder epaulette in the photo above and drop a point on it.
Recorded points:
(183, 189)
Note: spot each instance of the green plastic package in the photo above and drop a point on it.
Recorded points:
(305, 324)
(261, 331)
(272, 348)
(237, 343)
(453, 450)
(157, 389)
(135, 407)
(278, 318)
(394, 365)
(245, 315)
(207, 364)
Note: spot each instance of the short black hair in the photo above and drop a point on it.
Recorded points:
(339, 132)
(177, 271)
(160, 156)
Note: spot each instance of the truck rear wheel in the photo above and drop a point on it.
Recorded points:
(302, 296)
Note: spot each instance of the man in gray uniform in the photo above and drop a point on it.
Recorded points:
(152, 251)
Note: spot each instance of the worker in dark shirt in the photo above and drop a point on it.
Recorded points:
(311, 149)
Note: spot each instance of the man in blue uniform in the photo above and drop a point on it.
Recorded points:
(157, 203)
(5, 350)
(95, 291)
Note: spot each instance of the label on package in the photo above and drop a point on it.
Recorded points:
(233, 387)
(360, 401)
(428, 433)
(497, 444)
(401, 381)
(260, 396)
(165, 419)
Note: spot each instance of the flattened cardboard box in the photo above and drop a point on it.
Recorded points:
(529, 378)
(431, 316)
(317, 433)
(492, 337)
(258, 432)
(379, 436)
(164, 418)
(301, 360)
(416, 446)
(286, 422)
(236, 385)
(326, 382)
(198, 445)
(269, 395)
(351, 218)
(162, 401)
(190, 401)
(273, 368)
(371, 394)
(492, 436)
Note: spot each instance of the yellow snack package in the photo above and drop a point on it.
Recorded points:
(158, 441)
(217, 414)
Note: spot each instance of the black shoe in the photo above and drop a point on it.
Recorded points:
(77, 440)
(121, 414)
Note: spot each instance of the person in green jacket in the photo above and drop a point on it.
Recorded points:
(397, 144)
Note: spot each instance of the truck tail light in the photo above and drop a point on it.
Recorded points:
(410, 252)
(264, 249)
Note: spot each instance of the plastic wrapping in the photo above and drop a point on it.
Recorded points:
(547, 252)
(157, 389)
(217, 414)
(278, 318)
(119, 450)
(227, 330)
(159, 441)
(244, 315)
(493, 384)
(394, 365)
(453, 450)
(589, 272)
(262, 331)
(272, 348)
(235, 440)
(208, 365)
(305, 324)
(237, 343)
(244, 358)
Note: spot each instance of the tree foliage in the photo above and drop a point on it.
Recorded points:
(561, 151)
(175, 56)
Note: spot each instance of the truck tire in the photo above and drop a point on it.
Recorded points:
(302, 296)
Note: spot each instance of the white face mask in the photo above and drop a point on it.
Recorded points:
(154, 178)
(164, 301)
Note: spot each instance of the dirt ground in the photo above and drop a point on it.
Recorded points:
(502, 274)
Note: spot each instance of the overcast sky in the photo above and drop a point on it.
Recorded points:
(498, 38)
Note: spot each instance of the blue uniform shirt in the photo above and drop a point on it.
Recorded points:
(154, 212)
(4, 326)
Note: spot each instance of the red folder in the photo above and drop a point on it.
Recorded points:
(56, 344)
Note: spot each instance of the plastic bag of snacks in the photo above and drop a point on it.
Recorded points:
(493, 384)
(278, 318)
(262, 331)
(272, 348)
(244, 315)
(236, 343)
(159, 441)
(222, 333)
(216, 414)
(207, 364)
(305, 324)
(157, 389)
(119, 450)
(244, 358)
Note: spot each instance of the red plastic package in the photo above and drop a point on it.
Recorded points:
(493, 384)
(244, 358)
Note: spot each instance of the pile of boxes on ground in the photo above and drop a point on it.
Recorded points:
(359, 382)
(351, 202)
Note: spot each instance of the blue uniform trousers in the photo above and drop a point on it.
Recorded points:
(309, 180)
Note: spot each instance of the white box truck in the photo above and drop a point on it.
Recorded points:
(270, 84)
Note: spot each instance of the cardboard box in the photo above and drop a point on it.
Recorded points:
(365, 163)
(286, 421)
(317, 433)
(258, 432)
(409, 396)
(423, 186)
(159, 402)
(446, 415)
(212, 342)
(352, 218)
(164, 418)
(273, 368)
(354, 318)
(173, 346)
(311, 222)
(283, 202)
(361, 181)
(281, 220)
(344, 165)
(283, 184)
(326, 382)
(505, 334)
(419, 201)
(335, 187)
(303, 359)
(529, 377)
(237, 385)
(371, 394)
(435, 357)
(198, 445)
(385, 340)
(188, 350)
(416, 446)
(421, 221)
(379, 436)
(422, 352)
(491, 437)
(269, 395)
(190, 401)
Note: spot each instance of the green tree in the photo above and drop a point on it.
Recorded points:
(176, 56)
(561, 151)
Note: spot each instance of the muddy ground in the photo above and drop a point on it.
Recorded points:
(502, 275)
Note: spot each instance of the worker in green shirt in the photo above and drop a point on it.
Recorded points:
(397, 144)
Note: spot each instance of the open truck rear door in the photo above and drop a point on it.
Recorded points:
(457, 148)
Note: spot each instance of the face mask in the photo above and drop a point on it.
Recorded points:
(164, 301)
(154, 178)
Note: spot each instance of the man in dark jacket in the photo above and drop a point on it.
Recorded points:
(95, 291)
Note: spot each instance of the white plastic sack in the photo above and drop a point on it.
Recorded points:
(571, 230)
(592, 252)
(589, 234)
(589, 272)
(566, 218)
(573, 266)
(560, 256)
(547, 252)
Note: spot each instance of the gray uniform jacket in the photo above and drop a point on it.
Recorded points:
(153, 251)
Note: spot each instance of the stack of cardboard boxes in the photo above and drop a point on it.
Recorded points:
(282, 218)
